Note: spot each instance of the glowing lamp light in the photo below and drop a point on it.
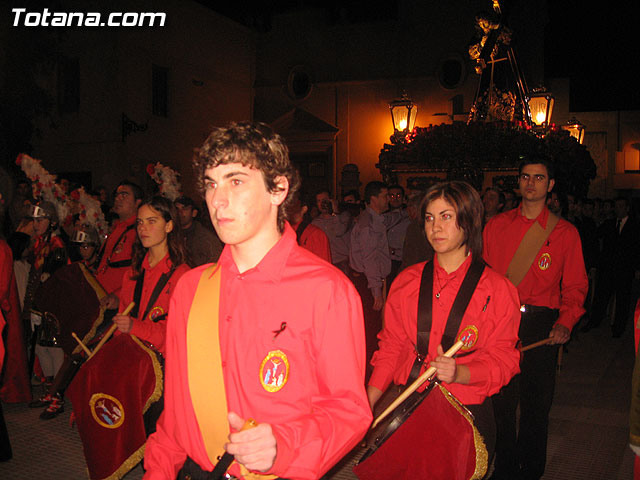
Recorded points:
(575, 129)
(403, 116)
(540, 107)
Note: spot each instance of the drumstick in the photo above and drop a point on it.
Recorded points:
(415, 385)
(536, 344)
(84, 347)
(110, 331)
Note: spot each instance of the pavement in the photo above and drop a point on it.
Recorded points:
(588, 432)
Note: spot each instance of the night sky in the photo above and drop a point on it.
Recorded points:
(596, 44)
(598, 47)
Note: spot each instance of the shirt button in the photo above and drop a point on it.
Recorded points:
(228, 319)
(240, 276)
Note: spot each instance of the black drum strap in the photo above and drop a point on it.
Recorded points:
(425, 306)
(137, 293)
(425, 312)
(162, 282)
(461, 303)
(104, 246)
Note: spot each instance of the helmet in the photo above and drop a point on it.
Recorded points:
(44, 209)
(87, 234)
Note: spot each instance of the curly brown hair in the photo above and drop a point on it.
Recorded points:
(253, 145)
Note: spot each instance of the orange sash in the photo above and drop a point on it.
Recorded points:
(204, 362)
(206, 381)
(528, 249)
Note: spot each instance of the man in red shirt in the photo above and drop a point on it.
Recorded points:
(542, 256)
(290, 339)
(116, 254)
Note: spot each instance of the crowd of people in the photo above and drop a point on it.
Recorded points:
(271, 334)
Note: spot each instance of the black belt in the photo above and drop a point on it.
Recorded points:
(192, 471)
(537, 309)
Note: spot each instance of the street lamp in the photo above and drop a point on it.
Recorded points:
(540, 104)
(575, 129)
(403, 116)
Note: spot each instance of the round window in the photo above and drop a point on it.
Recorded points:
(299, 83)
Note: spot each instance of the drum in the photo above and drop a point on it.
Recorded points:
(110, 394)
(431, 436)
(69, 301)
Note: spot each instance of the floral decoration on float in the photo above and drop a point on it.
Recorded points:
(167, 180)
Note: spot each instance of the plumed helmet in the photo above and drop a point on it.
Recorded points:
(87, 234)
(44, 209)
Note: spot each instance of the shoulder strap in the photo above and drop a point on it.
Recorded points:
(528, 249)
(104, 246)
(425, 306)
(137, 294)
(162, 282)
(461, 302)
(425, 311)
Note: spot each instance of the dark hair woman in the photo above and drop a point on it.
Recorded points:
(452, 217)
(158, 255)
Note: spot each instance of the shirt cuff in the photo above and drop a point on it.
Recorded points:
(284, 454)
(477, 374)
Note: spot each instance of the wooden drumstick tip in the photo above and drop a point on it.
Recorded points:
(249, 423)
(546, 341)
(111, 330)
(82, 345)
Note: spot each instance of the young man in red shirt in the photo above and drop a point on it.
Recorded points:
(116, 254)
(542, 256)
(288, 351)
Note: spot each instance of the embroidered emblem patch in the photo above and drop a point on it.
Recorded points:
(544, 262)
(155, 313)
(274, 371)
(468, 336)
(106, 410)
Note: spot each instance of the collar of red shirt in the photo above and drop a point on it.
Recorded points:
(541, 219)
(164, 264)
(125, 223)
(441, 273)
(272, 264)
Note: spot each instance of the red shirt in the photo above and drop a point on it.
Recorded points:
(315, 240)
(493, 359)
(321, 411)
(2, 323)
(145, 328)
(14, 381)
(636, 327)
(557, 277)
(117, 248)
